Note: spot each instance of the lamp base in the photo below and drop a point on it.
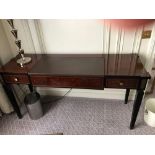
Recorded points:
(22, 62)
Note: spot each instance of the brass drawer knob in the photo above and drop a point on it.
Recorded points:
(16, 79)
(121, 83)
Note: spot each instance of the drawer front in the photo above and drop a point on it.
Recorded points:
(121, 83)
(67, 82)
(12, 78)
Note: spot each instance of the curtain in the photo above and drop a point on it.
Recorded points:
(5, 105)
(5, 55)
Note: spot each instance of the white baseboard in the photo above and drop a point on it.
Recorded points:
(88, 93)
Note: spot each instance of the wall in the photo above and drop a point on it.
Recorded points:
(82, 36)
(72, 36)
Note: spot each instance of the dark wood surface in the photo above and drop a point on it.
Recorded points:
(94, 71)
(124, 65)
(123, 71)
(67, 65)
(16, 78)
(13, 68)
(92, 65)
(125, 83)
(67, 81)
(85, 65)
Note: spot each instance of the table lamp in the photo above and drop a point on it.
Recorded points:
(22, 60)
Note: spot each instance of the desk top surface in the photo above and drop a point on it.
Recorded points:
(81, 65)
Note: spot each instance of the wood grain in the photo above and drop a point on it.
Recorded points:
(65, 82)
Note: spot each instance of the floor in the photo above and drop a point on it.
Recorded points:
(77, 116)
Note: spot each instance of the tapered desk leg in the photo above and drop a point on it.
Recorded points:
(136, 106)
(12, 98)
(126, 96)
(30, 87)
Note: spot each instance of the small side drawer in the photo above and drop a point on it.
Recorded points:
(67, 82)
(121, 83)
(12, 78)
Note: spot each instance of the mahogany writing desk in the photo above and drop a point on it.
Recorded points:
(121, 71)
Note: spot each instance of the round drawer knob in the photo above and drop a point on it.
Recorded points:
(121, 83)
(16, 79)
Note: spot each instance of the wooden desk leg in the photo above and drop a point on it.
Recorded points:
(126, 96)
(30, 87)
(12, 99)
(136, 106)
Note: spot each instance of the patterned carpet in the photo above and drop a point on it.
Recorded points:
(77, 116)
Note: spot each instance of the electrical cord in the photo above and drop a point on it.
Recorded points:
(64, 95)
(59, 98)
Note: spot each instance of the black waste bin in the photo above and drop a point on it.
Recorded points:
(33, 105)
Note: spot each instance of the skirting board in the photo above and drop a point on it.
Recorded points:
(88, 93)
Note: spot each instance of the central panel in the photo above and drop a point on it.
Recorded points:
(69, 71)
(70, 65)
